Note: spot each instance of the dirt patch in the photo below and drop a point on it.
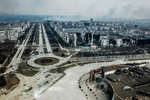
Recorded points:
(26, 70)
(2, 70)
(8, 83)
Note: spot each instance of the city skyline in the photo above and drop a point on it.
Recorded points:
(74, 50)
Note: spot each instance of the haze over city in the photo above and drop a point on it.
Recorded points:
(94, 8)
(74, 50)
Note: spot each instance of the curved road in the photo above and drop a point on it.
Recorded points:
(67, 88)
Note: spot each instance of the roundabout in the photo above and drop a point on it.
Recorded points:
(46, 61)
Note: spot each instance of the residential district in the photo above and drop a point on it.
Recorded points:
(74, 60)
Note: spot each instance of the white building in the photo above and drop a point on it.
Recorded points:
(119, 42)
(105, 42)
(13, 33)
(2, 35)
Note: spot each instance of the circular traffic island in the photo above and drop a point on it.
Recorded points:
(46, 61)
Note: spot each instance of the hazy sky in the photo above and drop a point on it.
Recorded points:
(100, 8)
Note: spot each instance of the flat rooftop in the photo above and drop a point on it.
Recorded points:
(131, 82)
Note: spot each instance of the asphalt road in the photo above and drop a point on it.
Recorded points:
(67, 87)
(17, 56)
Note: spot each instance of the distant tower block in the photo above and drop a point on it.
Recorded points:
(119, 42)
(75, 40)
(91, 20)
(67, 39)
(105, 42)
(92, 39)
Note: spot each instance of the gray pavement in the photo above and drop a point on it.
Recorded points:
(41, 45)
(49, 49)
(67, 88)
